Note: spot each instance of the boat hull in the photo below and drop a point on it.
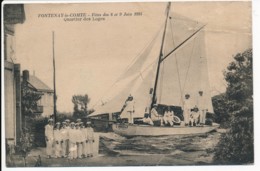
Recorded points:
(130, 130)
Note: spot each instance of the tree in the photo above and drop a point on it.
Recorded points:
(30, 97)
(222, 115)
(80, 105)
(237, 145)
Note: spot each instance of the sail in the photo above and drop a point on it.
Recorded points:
(138, 76)
(140, 91)
(146, 58)
(116, 97)
(185, 70)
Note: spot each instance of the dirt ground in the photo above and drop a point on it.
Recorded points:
(118, 151)
(103, 160)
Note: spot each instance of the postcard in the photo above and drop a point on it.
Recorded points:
(128, 84)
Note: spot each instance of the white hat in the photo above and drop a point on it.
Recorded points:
(88, 123)
(58, 123)
(67, 120)
(50, 120)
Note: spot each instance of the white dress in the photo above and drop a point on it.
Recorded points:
(49, 139)
(186, 112)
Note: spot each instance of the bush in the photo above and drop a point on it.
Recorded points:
(237, 145)
(37, 129)
(222, 116)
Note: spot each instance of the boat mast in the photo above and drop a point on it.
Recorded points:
(160, 56)
(54, 81)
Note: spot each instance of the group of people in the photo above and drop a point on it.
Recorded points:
(166, 119)
(69, 139)
(193, 116)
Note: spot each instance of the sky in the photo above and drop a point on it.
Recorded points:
(91, 55)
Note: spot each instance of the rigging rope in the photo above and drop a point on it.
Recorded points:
(177, 65)
(186, 75)
(139, 54)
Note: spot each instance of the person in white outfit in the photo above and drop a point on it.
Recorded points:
(85, 146)
(65, 138)
(72, 142)
(130, 109)
(58, 140)
(155, 116)
(49, 138)
(191, 119)
(68, 143)
(168, 116)
(202, 109)
(147, 119)
(171, 117)
(79, 140)
(90, 140)
(196, 116)
(187, 109)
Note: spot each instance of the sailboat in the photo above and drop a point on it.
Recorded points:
(171, 66)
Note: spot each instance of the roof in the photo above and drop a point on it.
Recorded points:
(14, 13)
(38, 84)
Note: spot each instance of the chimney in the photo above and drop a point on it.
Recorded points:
(25, 75)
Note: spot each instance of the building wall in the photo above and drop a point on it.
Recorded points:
(9, 47)
(10, 101)
(13, 14)
(47, 102)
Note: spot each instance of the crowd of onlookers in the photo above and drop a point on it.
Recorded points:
(69, 139)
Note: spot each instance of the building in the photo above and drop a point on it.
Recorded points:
(45, 104)
(12, 113)
(13, 14)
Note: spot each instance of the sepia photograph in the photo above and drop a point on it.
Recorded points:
(167, 83)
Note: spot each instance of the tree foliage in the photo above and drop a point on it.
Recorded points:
(80, 105)
(237, 145)
(29, 99)
(222, 115)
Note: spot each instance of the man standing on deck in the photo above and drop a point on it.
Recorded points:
(49, 138)
(130, 109)
(202, 109)
(186, 109)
